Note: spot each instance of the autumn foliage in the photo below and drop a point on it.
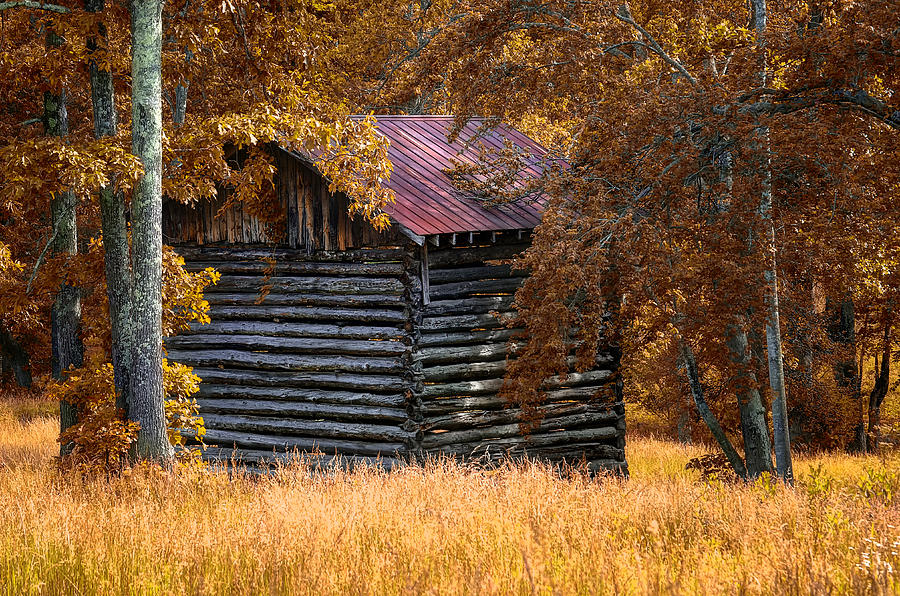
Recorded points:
(678, 120)
(702, 163)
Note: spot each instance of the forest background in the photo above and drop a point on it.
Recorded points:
(730, 188)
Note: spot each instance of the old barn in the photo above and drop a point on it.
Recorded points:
(379, 345)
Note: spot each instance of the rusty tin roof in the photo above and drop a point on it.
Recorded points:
(427, 202)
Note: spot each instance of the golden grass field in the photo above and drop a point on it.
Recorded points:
(442, 529)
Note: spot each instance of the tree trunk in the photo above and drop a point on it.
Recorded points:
(774, 348)
(67, 349)
(15, 356)
(147, 397)
(879, 391)
(757, 447)
(181, 95)
(690, 369)
(112, 219)
(780, 426)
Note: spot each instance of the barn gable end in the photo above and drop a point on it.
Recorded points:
(376, 346)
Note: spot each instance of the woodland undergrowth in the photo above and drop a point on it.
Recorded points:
(442, 528)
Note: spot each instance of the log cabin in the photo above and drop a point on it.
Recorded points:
(373, 346)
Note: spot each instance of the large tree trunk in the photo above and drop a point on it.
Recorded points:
(67, 350)
(774, 348)
(757, 447)
(879, 391)
(113, 221)
(693, 376)
(147, 397)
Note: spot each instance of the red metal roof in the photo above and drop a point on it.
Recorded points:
(427, 202)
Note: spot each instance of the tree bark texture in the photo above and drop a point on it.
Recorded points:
(147, 396)
(693, 377)
(67, 349)
(757, 447)
(112, 219)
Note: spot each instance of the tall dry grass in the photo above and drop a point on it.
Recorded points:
(442, 529)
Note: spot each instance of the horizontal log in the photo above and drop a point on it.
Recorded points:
(468, 371)
(438, 259)
(488, 386)
(317, 461)
(306, 313)
(293, 345)
(557, 425)
(608, 466)
(574, 453)
(303, 380)
(294, 299)
(316, 429)
(233, 253)
(282, 267)
(483, 418)
(518, 442)
(448, 405)
(311, 285)
(473, 305)
(430, 356)
(442, 276)
(323, 330)
(462, 338)
(604, 393)
(472, 288)
(439, 407)
(463, 322)
(581, 379)
(287, 362)
(311, 396)
(245, 440)
(293, 409)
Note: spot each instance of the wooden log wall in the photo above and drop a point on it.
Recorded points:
(460, 358)
(314, 218)
(323, 362)
(344, 356)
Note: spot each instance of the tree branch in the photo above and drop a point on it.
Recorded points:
(857, 99)
(35, 5)
(40, 260)
(624, 15)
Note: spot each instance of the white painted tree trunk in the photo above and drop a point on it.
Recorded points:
(147, 396)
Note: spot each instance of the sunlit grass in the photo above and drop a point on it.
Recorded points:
(443, 529)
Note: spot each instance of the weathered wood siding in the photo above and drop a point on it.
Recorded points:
(460, 358)
(321, 362)
(344, 356)
(314, 219)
